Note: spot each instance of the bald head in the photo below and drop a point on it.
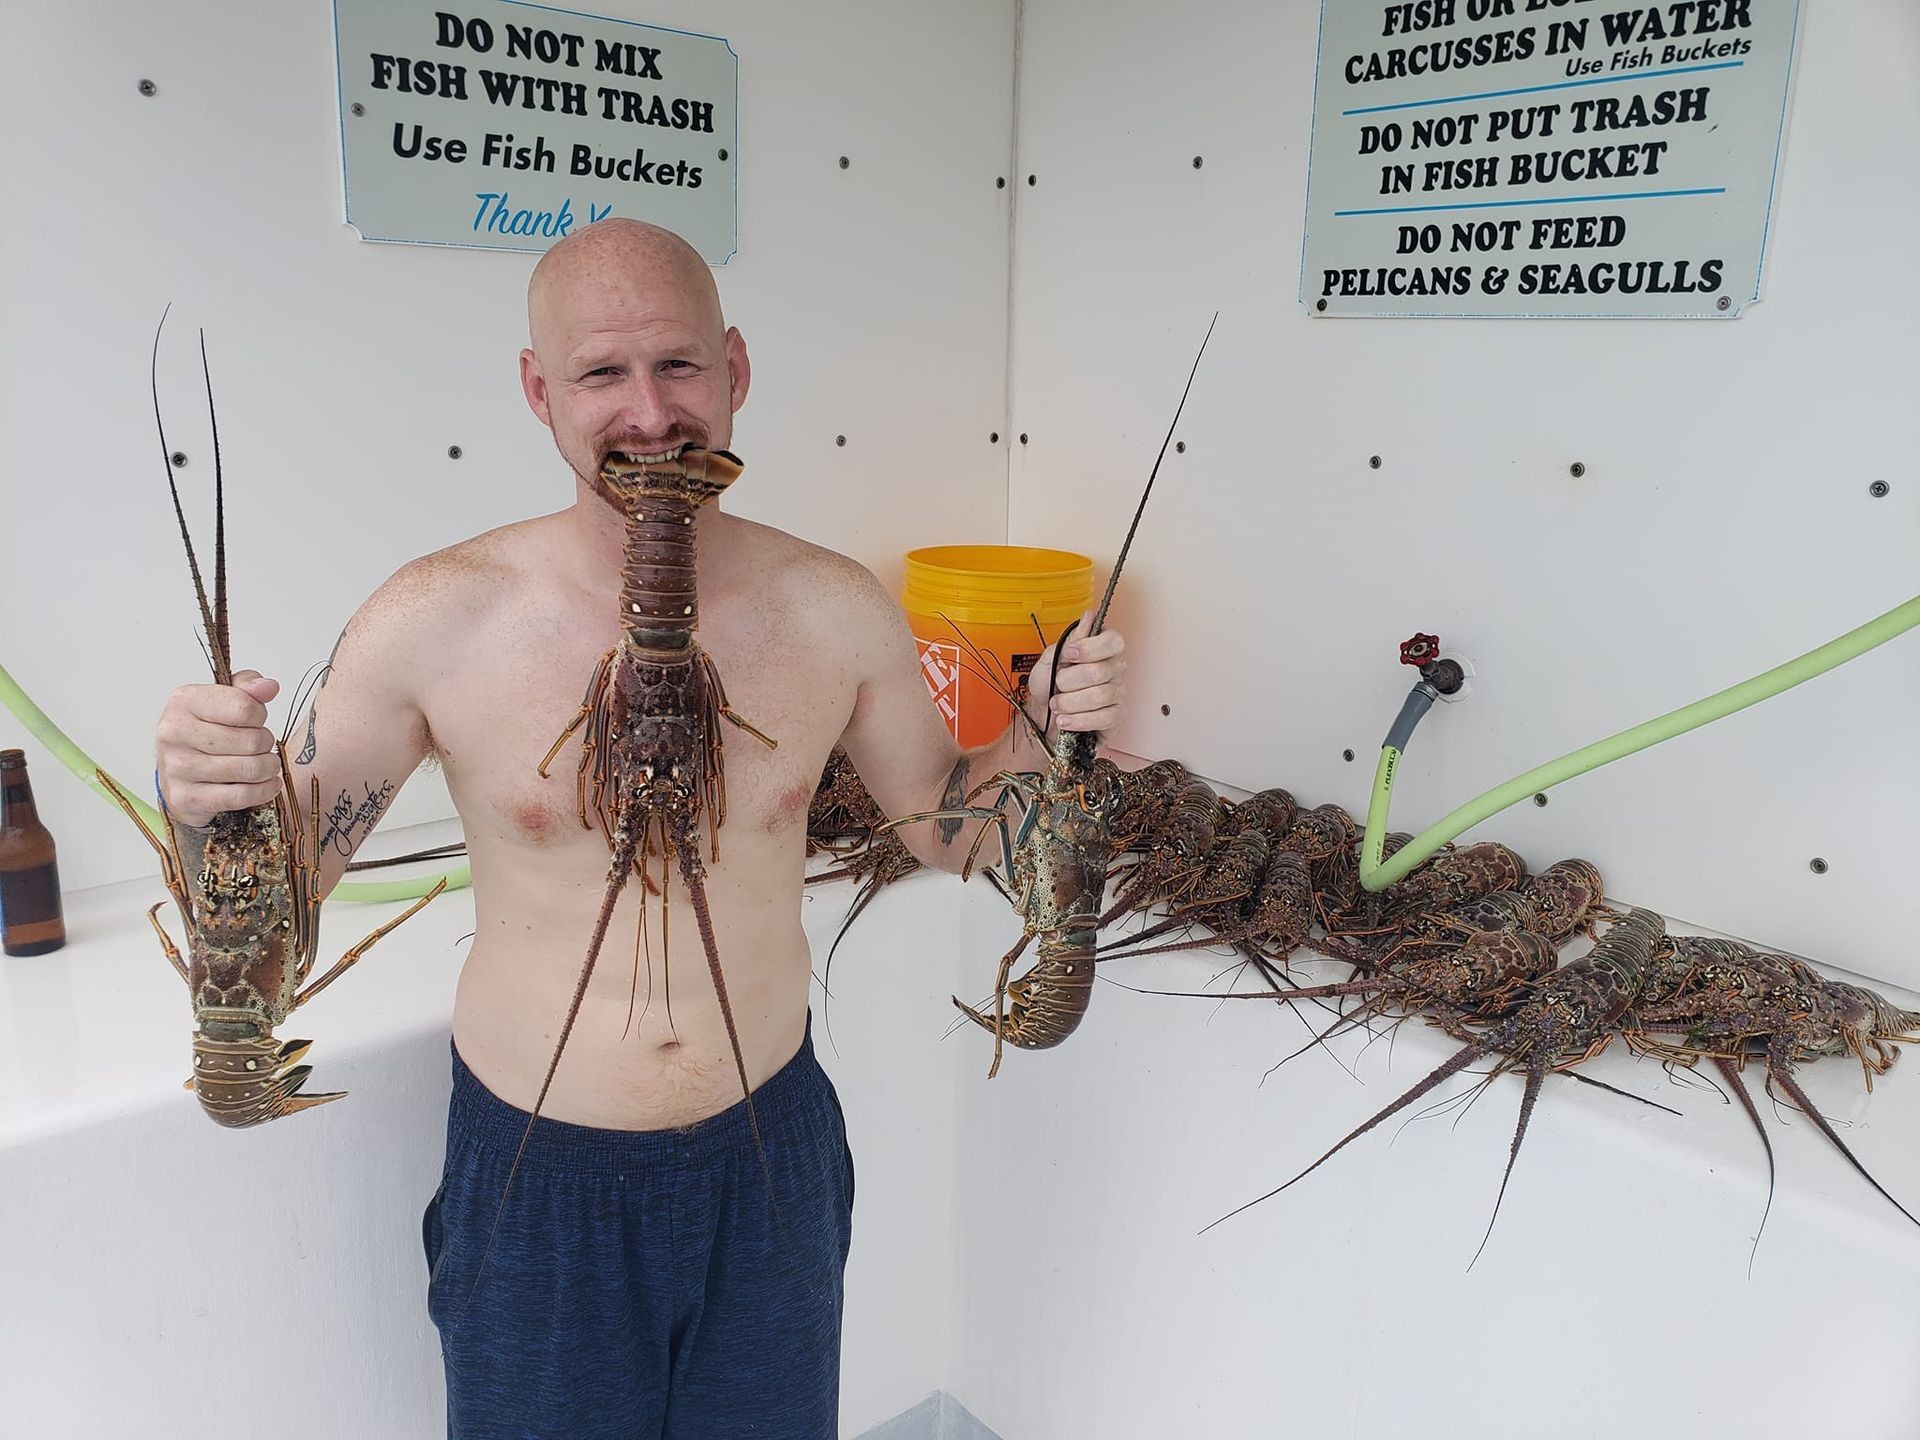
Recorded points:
(625, 260)
(630, 351)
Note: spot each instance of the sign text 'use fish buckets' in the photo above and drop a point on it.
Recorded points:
(991, 595)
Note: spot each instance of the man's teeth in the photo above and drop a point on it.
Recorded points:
(650, 458)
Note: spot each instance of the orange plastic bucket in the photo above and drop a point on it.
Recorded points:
(991, 596)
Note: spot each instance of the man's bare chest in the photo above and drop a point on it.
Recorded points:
(497, 713)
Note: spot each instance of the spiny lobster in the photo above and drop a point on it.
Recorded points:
(1056, 855)
(247, 885)
(652, 752)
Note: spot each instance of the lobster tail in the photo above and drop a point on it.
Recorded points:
(659, 592)
(250, 1081)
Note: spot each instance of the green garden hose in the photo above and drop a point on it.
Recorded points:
(1376, 874)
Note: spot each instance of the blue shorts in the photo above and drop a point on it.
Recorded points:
(640, 1284)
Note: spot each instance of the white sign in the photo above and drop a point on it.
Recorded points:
(1544, 157)
(505, 125)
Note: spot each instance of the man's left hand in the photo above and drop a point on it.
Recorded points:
(1088, 693)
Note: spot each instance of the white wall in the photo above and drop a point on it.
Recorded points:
(873, 300)
(1723, 525)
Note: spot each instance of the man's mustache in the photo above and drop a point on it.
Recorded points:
(633, 444)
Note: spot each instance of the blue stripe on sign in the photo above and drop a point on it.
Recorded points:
(1537, 89)
(1554, 200)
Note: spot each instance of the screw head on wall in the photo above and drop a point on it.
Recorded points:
(1166, 710)
(994, 438)
(1023, 437)
(1373, 462)
(1817, 865)
(845, 162)
(840, 440)
(1320, 304)
(1033, 180)
(1540, 800)
(1347, 755)
(723, 154)
(454, 452)
(1197, 161)
(999, 182)
(357, 109)
(1878, 489)
(149, 89)
(1725, 302)
(1179, 447)
(178, 458)
(1577, 469)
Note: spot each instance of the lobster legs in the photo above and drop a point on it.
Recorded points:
(1054, 856)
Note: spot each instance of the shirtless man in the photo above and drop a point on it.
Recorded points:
(638, 1284)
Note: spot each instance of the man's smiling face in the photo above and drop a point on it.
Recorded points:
(630, 353)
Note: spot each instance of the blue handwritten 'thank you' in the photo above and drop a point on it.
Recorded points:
(496, 216)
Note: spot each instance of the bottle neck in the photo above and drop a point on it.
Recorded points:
(17, 811)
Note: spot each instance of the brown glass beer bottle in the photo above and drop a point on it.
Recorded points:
(30, 921)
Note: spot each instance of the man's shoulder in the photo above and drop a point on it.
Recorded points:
(481, 561)
(808, 573)
(459, 582)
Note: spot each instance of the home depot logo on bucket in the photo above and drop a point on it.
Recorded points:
(946, 676)
(980, 615)
(940, 663)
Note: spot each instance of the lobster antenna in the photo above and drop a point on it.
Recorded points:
(1536, 1076)
(222, 647)
(1727, 1068)
(166, 459)
(1100, 615)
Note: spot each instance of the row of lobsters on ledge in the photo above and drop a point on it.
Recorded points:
(1470, 941)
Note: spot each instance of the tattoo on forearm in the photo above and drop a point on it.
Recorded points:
(954, 796)
(350, 820)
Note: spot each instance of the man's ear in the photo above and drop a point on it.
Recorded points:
(534, 386)
(739, 369)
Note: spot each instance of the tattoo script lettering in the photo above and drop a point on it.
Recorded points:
(349, 820)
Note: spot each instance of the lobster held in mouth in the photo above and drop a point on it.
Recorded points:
(653, 751)
(652, 755)
(248, 889)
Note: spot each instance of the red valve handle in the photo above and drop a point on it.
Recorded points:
(1420, 650)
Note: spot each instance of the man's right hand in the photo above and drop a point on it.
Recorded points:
(214, 750)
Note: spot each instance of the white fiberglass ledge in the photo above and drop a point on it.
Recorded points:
(103, 1026)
